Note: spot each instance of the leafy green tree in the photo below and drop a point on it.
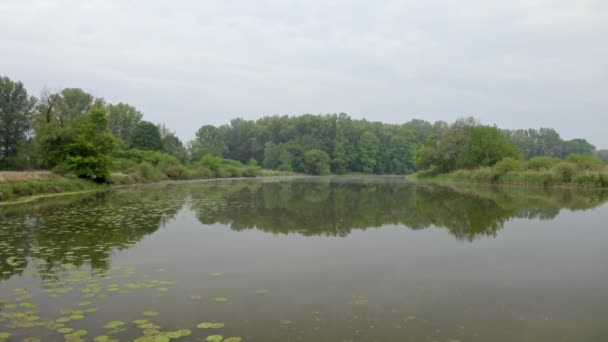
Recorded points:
(16, 108)
(316, 162)
(65, 106)
(209, 140)
(369, 146)
(340, 160)
(277, 157)
(486, 146)
(146, 136)
(89, 153)
(172, 144)
(122, 119)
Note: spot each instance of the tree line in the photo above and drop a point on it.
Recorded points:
(73, 131)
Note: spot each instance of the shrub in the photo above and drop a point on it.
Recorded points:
(508, 165)
(542, 163)
(565, 171)
(584, 162)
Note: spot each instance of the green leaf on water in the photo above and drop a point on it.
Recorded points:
(101, 338)
(5, 336)
(233, 339)
(114, 324)
(80, 333)
(76, 317)
(214, 338)
(216, 274)
(209, 325)
(65, 330)
(220, 299)
(150, 313)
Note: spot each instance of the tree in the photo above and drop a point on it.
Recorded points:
(122, 119)
(172, 144)
(486, 146)
(277, 157)
(340, 161)
(209, 140)
(316, 162)
(146, 136)
(369, 146)
(89, 153)
(15, 119)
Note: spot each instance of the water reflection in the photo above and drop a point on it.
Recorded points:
(81, 230)
(75, 230)
(336, 206)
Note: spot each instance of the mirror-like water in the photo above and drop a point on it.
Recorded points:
(306, 259)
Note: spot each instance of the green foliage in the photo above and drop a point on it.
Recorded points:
(586, 162)
(508, 165)
(565, 171)
(541, 163)
(89, 153)
(578, 171)
(146, 136)
(16, 110)
(122, 119)
(277, 157)
(546, 142)
(10, 190)
(316, 162)
(369, 147)
(485, 147)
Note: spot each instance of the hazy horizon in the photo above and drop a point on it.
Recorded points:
(522, 64)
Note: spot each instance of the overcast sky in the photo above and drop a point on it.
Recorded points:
(517, 64)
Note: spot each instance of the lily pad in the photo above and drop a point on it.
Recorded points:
(209, 325)
(114, 324)
(80, 333)
(65, 330)
(233, 339)
(214, 338)
(220, 299)
(5, 336)
(150, 313)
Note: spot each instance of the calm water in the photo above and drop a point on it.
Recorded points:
(307, 259)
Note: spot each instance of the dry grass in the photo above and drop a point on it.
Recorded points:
(15, 176)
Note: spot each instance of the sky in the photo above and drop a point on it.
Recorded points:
(513, 63)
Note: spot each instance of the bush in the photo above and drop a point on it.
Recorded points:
(584, 162)
(145, 172)
(508, 165)
(565, 171)
(542, 163)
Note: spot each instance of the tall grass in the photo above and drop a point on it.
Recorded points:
(575, 171)
(24, 184)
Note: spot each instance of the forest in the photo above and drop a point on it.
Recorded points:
(74, 132)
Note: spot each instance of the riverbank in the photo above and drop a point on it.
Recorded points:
(576, 172)
(15, 186)
(26, 186)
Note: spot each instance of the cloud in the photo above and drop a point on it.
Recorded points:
(514, 63)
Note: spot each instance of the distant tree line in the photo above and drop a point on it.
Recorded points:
(71, 130)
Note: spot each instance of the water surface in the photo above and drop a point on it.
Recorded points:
(307, 259)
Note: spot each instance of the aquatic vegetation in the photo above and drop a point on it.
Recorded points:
(233, 339)
(209, 325)
(114, 324)
(214, 338)
(220, 299)
(150, 313)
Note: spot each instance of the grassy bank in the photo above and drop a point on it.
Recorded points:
(15, 185)
(577, 171)
(141, 167)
